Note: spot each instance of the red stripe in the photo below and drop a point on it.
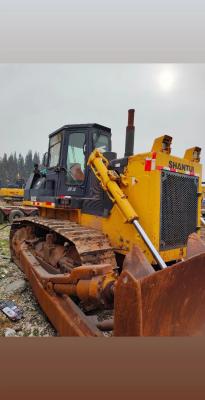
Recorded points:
(154, 155)
(48, 203)
(148, 164)
(173, 170)
(159, 167)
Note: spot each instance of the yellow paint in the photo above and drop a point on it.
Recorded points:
(144, 198)
(162, 144)
(203, 191)
(138, 195)
(11, 192)
(108, 181)
(41, 204)
(193, 154)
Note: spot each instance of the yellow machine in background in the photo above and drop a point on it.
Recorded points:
(13, 193)
(203, 201)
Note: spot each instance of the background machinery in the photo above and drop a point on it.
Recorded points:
(12, 191)
(203, 200)
(11, 198)
(117, 245)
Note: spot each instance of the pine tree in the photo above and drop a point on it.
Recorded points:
(10, 169)
(5, 169)
(21, 167)
(36, 158)
(28, 164)
(14, 168)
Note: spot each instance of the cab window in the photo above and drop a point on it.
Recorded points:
(101, 142)
(54, 150)
(76, 159)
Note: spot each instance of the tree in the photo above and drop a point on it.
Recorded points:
(4, 168)
(13, 167)
(28, 164)
(36, 158)
(21, 167)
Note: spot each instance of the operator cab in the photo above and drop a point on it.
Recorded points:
(70, 147)
(65, 171)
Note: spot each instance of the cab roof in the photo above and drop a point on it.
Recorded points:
(71, 127)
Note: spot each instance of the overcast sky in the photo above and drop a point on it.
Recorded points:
(36, 99)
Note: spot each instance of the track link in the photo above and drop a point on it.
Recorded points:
(92, 246)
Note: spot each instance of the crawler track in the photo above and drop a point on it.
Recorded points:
(92, 246)
(31, 251)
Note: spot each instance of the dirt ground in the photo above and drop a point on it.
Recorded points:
(13, 286)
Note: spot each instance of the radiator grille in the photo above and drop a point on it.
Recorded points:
(178, 209)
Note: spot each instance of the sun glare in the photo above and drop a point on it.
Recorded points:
(167, 80)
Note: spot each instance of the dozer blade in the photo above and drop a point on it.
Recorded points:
(170, 302)
(63, 313)
(195, 246)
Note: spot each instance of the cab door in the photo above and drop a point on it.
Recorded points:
(75, 156)
(45, 188)
(79, 142)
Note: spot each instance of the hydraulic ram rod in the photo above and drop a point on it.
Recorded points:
(203, 220)
(149, 244)
(99, 164)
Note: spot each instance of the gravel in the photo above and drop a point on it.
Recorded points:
(9, 332)
(17, 286)
(14, 286)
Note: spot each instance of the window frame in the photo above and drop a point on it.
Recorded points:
(71, 132)
(104, 133)
(51, 146)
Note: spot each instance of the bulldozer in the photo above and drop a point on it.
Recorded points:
(12, 193)
(116, 248)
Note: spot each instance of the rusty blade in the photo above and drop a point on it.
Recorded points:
(62, 312)
(136, 263)
(195, 245)
(170, 302)
(127, 294)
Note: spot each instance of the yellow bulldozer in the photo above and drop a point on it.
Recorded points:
(203, 199)
(116, 249)
(12, 192)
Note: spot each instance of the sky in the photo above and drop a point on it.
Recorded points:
(36, 99)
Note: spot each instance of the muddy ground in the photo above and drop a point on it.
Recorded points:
(13, 286)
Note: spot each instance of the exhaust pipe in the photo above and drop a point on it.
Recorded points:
(130, 134)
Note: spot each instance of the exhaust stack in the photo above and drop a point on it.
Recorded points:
(130, 134)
